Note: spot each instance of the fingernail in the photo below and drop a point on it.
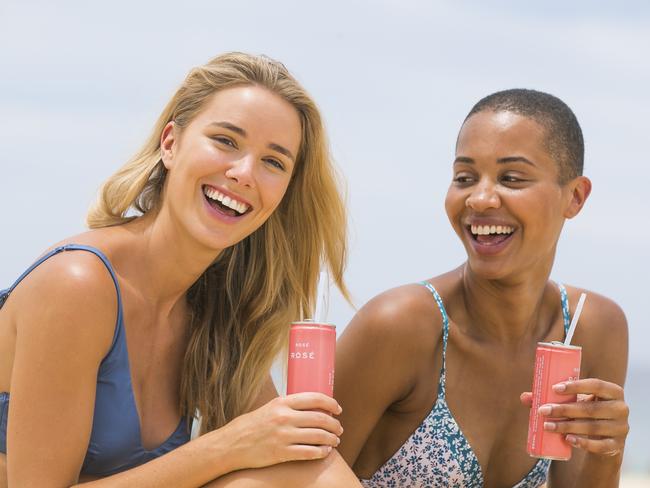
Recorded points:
(545, 410)
(559, 387)
(329, 448)
(550, 425)
(340, 409)
(571, 439)
(338, 441)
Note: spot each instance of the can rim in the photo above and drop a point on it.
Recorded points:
(312, 323)
(558, 344)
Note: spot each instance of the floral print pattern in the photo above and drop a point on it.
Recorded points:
(437, 453)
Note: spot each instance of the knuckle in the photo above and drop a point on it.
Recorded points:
(590, 408)
(625, 410)
(591, 428)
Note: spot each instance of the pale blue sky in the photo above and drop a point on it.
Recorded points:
(81, 84)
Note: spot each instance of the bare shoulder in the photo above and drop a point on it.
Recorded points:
(405, 316)
(72, 291)
(603, 334)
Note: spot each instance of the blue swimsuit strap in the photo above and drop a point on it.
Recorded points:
(445, 327)
(565, 307)
(445, 336)
(72, 247)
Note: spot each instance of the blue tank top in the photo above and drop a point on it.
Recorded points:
(115, 441)
(437, 453)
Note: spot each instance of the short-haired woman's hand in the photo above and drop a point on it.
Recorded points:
(292, 428)
(597, 422)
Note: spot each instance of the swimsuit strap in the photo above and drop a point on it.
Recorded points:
(565, 308)
(4, 294)
(445, 336)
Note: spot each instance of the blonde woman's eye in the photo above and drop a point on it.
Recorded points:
(225, 140)
(275, 163)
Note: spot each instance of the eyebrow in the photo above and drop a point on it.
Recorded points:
(242, 132)
(509, 159)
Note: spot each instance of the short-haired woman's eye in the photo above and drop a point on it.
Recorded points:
(511, 179)
(463, 178)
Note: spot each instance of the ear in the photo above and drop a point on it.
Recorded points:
(168, 144)
(579, 189)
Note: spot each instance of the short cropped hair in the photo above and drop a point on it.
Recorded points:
(563, 133)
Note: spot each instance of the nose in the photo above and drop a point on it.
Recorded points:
(483, 196)
(242, 170)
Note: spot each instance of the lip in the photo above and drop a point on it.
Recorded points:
(230, 194)
(218, 214)
(468, 222)
(487, 249)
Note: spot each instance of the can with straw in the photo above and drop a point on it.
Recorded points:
(554, 363)
(311, 357)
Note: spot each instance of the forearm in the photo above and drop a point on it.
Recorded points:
(189, 466)
(586, 470)
(322, 473)
(600, 471)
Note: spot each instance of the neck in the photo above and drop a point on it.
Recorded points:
(508, 310)
(164, 263)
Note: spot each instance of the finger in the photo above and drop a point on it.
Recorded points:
(298, 452)
(604, 428)
(318, 420)
(526, 398)
(610, 409)
(315, 437)
(313, 401)
(593, 386)
(605, 447)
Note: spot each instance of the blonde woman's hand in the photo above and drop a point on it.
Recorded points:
(597, 422)
(292, 428)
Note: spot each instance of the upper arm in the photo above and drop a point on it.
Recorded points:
(65, 313)
(377, 360)
(604, 340)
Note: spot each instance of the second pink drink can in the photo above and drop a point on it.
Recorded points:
(312, 348)
(554, 363)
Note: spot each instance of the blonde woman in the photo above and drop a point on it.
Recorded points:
(202, 249)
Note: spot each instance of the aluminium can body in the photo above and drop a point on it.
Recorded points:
(554, 363)
(312, 348)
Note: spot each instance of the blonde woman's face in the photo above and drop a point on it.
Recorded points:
(231, 166)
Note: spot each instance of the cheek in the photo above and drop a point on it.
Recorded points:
(274, 189)
(454, 205)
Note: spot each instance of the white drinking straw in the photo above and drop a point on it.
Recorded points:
(323, 305)
(574, 322)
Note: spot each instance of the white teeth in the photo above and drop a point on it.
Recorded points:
(484, 230)
(213, 194)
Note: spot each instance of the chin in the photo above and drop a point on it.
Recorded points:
(488, 270)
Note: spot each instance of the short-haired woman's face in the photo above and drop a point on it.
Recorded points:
(231, 166)
(504, 201)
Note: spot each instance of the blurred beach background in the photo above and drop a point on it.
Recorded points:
(81, 84)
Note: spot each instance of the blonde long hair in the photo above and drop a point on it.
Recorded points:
(242, 305)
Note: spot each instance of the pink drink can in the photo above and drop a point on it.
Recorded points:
(312, 348)
(554, 363)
